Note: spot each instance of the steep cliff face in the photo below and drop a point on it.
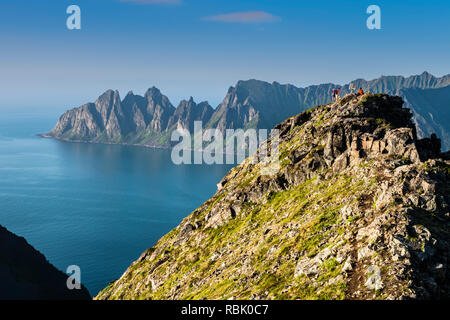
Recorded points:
(25, 274)
(102, 120)
(159, 110)
(257, 104)
(187, 112)
(431, 111)
(358, 209)
(135, 120)
(150, 120)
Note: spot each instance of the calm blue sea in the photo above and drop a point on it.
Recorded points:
(95, 206)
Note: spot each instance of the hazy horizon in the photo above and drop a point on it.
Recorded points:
(200, 48)
(56, 109)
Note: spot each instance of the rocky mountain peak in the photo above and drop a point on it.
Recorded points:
(372, 125)
(186, 104)
(108, 97)
(153, 91)
(188, 112)
(358, 208)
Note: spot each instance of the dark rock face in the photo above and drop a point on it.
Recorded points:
(149, 120)
(431, 111)
(357, 208)
(25, 274)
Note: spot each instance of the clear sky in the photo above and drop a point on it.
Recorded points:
(201, 47)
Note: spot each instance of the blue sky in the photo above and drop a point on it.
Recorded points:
(201, 47)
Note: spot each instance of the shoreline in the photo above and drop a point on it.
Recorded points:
(47, 136)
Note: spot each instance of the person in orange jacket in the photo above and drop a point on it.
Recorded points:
(360, 92)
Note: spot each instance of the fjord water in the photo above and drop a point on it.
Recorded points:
(95, 206)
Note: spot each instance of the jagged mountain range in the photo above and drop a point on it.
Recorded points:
(149, 120)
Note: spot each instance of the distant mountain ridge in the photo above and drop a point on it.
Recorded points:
(149, 120)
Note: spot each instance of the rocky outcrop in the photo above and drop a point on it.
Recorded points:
(357, 208)
(149, 120)
(25, 274)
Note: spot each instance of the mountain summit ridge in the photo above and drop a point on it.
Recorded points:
(359, 209)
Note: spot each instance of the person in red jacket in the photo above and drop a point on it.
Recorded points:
(360, 92)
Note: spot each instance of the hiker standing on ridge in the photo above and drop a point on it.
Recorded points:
(334, 95)
(360, 92)
(337, 94)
